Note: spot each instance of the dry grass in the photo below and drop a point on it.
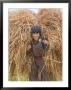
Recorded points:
(20, 23)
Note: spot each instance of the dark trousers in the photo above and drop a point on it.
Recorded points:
(36, 67)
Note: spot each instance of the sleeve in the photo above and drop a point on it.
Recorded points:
(28, 52)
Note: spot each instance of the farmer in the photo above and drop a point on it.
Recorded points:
(37, 46)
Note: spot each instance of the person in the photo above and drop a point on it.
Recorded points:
(37, 46)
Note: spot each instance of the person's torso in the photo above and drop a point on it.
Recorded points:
(37, 49)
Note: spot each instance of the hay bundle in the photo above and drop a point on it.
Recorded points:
(20, 23)
(51, 23)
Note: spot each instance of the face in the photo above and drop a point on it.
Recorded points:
(35, 36)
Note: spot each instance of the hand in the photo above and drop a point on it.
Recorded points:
(45, 42)
(29, 47)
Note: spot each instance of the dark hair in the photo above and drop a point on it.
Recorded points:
(36, 29)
